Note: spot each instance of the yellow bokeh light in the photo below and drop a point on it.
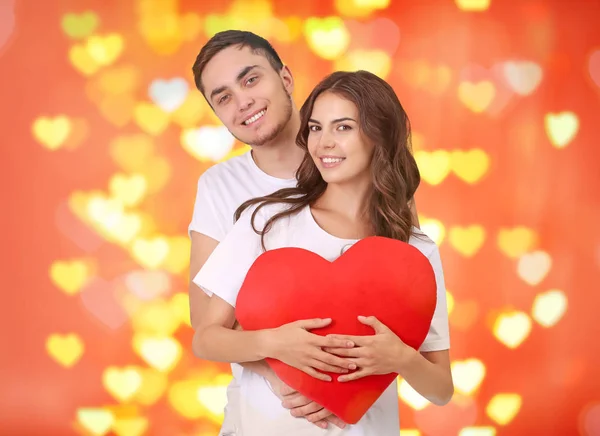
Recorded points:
(161, 353)
(136, 426)
(150, 253)
(411, 397)
(533, 267)
(449, 302)
(516, 241)
(512, 328)
(377, 62)
(327, 37)
(52, 132)
(502, 408)
(156, 318)
(434, 229)
(96, 421)
(468, 375)
(467, 240)
(360, 8)
(549, 307)
(476, 96)
(121, 383)
(65, 349)
(473, 5)
(434, 166)
(70, 276)
(471, 165)
(128, 189)
(561, 127)
(477, 431)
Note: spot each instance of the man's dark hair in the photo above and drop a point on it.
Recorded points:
(229, 38)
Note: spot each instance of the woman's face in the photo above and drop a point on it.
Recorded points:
(335, 143)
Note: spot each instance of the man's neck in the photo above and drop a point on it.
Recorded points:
(281, 157)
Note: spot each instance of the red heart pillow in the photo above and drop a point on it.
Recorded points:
(377, 276)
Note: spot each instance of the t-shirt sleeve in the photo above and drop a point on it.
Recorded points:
(438, 337)
(225, 270)
(206, 218)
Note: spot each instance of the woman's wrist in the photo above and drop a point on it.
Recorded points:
(267, 343)
(407, 359)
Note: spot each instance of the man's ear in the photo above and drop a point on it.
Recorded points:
(287, 78)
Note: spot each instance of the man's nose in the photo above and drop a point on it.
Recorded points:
(245, 102)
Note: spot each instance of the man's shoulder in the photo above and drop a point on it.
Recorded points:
(232, 167)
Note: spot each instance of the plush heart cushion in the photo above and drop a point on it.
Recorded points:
(377, 276)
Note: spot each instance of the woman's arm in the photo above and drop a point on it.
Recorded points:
(215, 340)
(384, 353)
(291, 343)
(429, 374)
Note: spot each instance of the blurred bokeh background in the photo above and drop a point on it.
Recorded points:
(103, 139)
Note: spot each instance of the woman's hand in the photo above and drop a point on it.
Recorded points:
(303, 407)
(294, 345)
(382, 353)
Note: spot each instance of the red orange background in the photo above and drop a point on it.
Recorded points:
(98, 184)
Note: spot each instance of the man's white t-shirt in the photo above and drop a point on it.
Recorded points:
(261, 412)
(222, 188)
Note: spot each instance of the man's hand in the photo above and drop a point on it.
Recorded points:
(302, 407)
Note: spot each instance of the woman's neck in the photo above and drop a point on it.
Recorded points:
(348, 200)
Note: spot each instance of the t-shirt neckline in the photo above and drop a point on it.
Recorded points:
(261, 173)
(321, 230)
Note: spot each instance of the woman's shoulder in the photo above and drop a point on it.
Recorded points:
(266, 211)
(421, 241)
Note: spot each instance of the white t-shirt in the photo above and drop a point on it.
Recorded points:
(222, 188)
(261, 412)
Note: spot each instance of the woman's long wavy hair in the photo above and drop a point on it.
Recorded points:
(384, 123)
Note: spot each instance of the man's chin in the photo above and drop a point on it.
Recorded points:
(260, 139)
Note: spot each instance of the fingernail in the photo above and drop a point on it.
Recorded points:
(350, 344)
(352, 366)
(345, 371)
(341, 379)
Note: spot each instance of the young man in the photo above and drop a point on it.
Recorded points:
(250, 90)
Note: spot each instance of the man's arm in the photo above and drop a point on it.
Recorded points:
(300, 406)
(202, 247)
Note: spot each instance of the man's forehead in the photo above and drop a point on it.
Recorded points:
(225, 66)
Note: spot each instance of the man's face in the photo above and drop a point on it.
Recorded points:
(250, 98)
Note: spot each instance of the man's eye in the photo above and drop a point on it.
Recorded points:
(251, 80)
(223, 99)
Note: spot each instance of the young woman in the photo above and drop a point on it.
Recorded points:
(356, 180)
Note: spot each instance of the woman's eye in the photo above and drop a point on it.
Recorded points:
(344, 127)
(313, 128)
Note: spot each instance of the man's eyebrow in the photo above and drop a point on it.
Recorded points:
(216, 91)
(239, 77)
(337, 120)
(245, 71)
